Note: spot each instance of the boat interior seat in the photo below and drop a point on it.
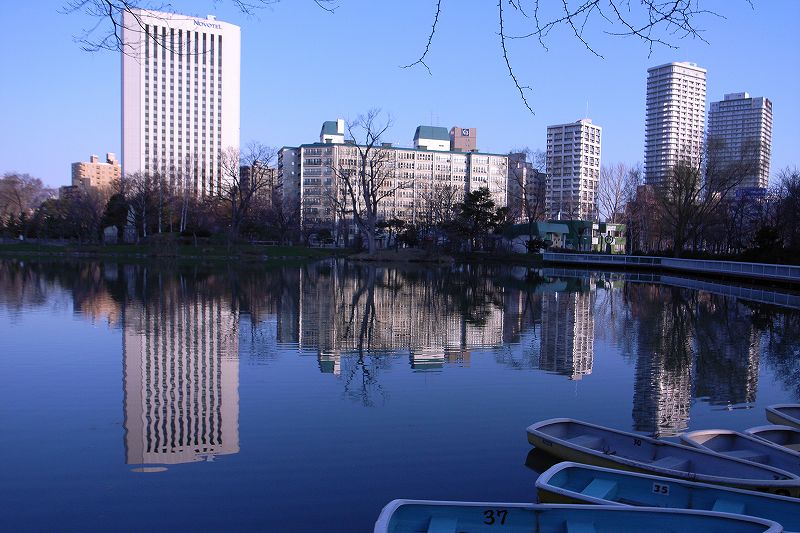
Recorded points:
(671, 463)
(727, 506)
(442, 524)
(587, 441)
(600, 488)
(749, 455)
(580, 527)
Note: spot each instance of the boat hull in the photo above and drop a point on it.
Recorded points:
(743, 446)
(579, 483)
(774, 481)
(784, 414)
(407, 516)
(784, 436)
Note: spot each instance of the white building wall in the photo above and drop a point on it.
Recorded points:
(573, 170)
(180, 96)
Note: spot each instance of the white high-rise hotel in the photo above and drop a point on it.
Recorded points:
(674, 126)
(180, 96)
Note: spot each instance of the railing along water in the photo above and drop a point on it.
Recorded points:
(726, 268)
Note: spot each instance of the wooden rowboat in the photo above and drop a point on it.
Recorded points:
(743, 446)
(573, 440)
(786, 414)
(575, 483)
(407, 516)
(785, 436)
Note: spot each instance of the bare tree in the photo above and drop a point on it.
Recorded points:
(652, 22)
(691, 195)
(369, 178)
(109, 21)
(244, 176)
(526, 187)
(140, 189)
(616, 188)
(439, 207)
(21, 193)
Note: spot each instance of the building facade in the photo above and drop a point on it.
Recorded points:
(740, 131)
(463, 139)
(675, 120)
(573, 170)
(526, 189)
(415, 178)
(180, 97)
(97, 175)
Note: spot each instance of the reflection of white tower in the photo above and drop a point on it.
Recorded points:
(567, 345)
(661, 396)
(181, 381)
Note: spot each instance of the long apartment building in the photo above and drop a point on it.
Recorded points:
(415, 177)
(675, 120)
(740, 126)
(180, 96)
(573, 170)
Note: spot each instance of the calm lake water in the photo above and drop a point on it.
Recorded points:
(144, 397)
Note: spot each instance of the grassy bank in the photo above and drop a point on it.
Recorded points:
(239, 252)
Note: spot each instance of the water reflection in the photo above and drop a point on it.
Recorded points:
(180, 356)
(184, 330)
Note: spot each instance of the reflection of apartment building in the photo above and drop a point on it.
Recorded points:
(181, 380)
(740, 133)
(662, 389)
(573, 170)
(662, 396)
(567, 342)
(411, 177)
(339, 312)
(675, 121)
(727, 369)
(96, 174)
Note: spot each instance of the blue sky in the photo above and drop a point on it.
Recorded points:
(302, 65)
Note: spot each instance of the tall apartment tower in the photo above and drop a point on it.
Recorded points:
(573, 170)
(675, 121)
(180, 97)
(741, 129)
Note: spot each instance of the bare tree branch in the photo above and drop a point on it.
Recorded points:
(421, 60)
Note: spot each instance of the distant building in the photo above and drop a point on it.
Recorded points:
(674, 125)
(573, 170)
(431, 138)
(526, 189)
(69, 192)
(307, 175)
(100, 176)
(180, 96)
(740, 128)
(266, 181)
(463, 139)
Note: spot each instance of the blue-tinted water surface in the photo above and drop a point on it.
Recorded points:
(147, 397)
